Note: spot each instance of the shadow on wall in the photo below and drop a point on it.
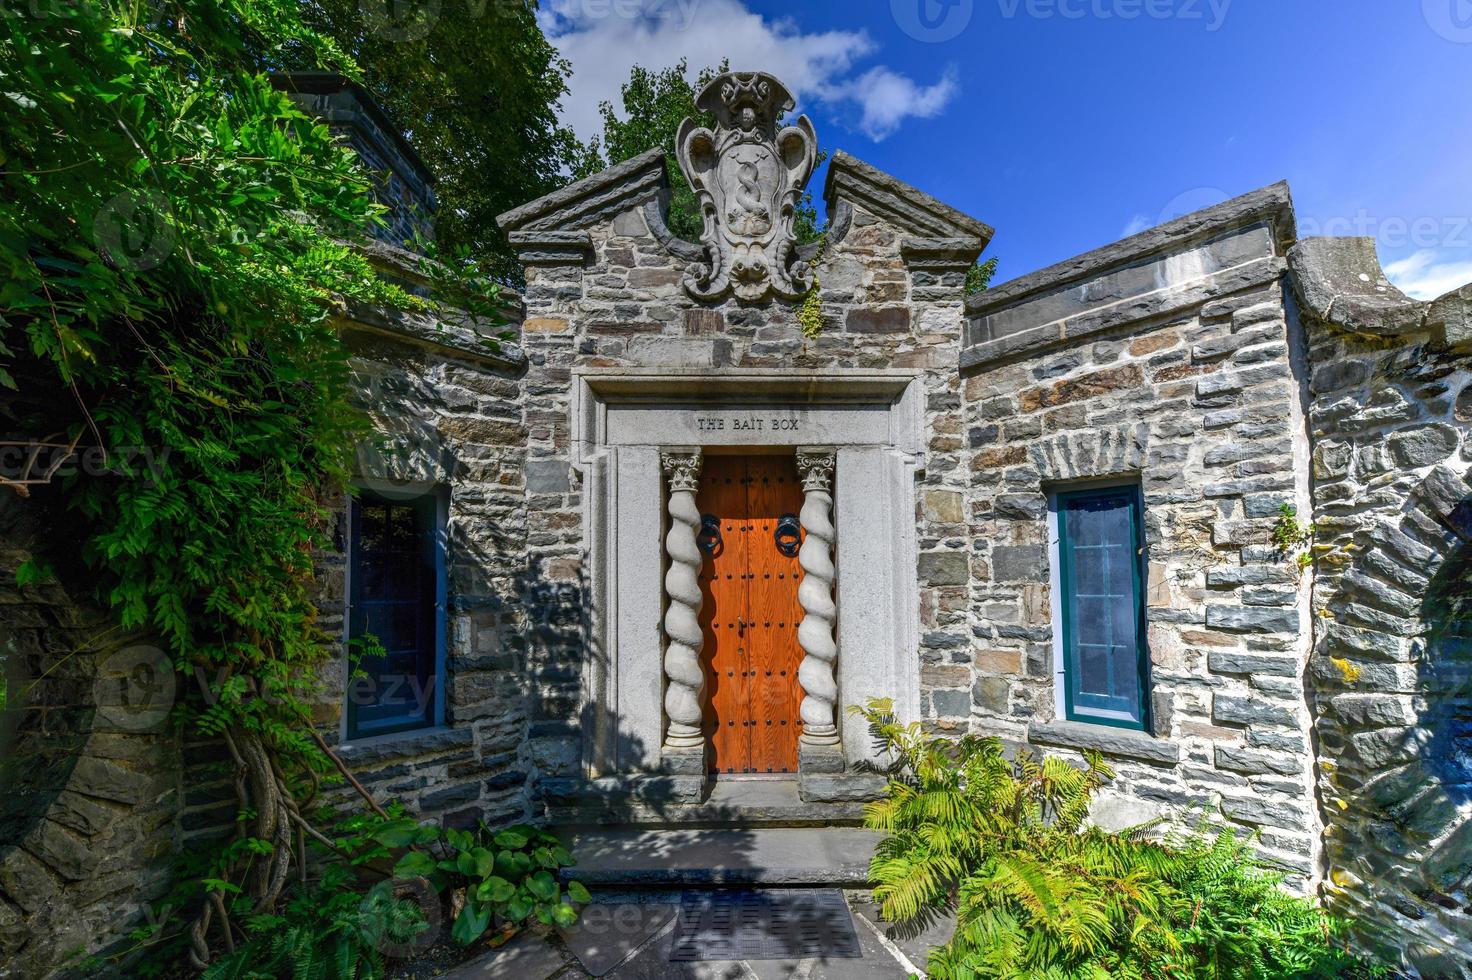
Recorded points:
(87, 793)
(1398, 733)
(564, 654)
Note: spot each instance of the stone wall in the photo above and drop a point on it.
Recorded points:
(89, 774)
(1168, 359)
(447, 417)
(100, 793)
(1391, 677)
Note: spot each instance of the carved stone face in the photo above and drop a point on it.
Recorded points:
(748, 118)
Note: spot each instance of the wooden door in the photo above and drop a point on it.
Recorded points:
(750, 612)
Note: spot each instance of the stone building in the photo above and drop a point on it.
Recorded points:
(632, 568)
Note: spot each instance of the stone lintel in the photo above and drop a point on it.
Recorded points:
(1120, 742)
(852, 181)
(620, 188)
(552, 247)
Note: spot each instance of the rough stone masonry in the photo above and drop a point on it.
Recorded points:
(1219, 364)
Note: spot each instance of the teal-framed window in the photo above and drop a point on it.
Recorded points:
(396, 595)
(1105, 663)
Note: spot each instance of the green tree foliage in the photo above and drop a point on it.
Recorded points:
(174, 244)
(652, 105)
(1005, 844)
(477, 88)
(979, 276)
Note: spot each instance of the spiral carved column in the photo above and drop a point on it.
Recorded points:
(682, 667)
(815, 595)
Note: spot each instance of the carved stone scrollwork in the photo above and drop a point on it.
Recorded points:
(815, 633)
(685, 676)
(749, 178)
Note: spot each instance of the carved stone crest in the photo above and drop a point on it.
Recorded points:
(748, 177)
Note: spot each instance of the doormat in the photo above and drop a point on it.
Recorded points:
(764, 924)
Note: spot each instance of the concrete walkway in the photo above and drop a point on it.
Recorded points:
(628, 936)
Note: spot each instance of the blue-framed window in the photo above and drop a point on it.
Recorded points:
(396, 614)
(1105, 662)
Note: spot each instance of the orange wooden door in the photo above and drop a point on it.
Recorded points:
(750, 612)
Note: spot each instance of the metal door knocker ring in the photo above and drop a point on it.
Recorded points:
(789, 535)
(710, 534)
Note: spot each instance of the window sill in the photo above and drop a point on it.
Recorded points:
(1119, 742)
(403, 745)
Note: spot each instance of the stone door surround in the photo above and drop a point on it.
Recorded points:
(638, 439)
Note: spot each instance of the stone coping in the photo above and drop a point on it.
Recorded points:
(581, 203)
(1120, 742)
(464, 340)
(883, 195)
(1272, 204)
(1340, 281)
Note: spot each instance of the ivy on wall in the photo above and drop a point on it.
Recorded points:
(175, 242)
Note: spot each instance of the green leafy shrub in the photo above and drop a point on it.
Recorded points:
(1005, 844)
(506, 877)
(329, 931)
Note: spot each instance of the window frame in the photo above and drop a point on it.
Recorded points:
(1066, 665)
(436, 503)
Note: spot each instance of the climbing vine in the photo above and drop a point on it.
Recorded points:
(175, 242)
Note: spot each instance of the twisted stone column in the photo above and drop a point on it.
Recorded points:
(815, 634)
(682, 668)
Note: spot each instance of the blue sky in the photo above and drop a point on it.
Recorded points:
(1067, 124)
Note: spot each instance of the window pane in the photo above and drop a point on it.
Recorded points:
(1104, 646)
(395, 583)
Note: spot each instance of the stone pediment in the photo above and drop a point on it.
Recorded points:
(749, 173)
(854, 183)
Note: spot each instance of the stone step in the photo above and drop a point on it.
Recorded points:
(731, 803)
(802, 856)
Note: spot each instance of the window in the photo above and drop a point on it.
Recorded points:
(396, 596)
(1104, 664)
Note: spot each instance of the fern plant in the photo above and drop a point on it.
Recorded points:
(1005, 845)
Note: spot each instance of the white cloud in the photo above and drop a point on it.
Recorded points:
(603, 39)
(1426, 275)
(1137, 224)
(886, 99)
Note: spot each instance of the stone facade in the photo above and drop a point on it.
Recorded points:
(1217, 363)
(608, 297)
(1166, 359)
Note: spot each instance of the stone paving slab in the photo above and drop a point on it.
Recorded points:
(629, 936)
(832, 856)
(915, 944)
(527, 957)
(607, 932)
